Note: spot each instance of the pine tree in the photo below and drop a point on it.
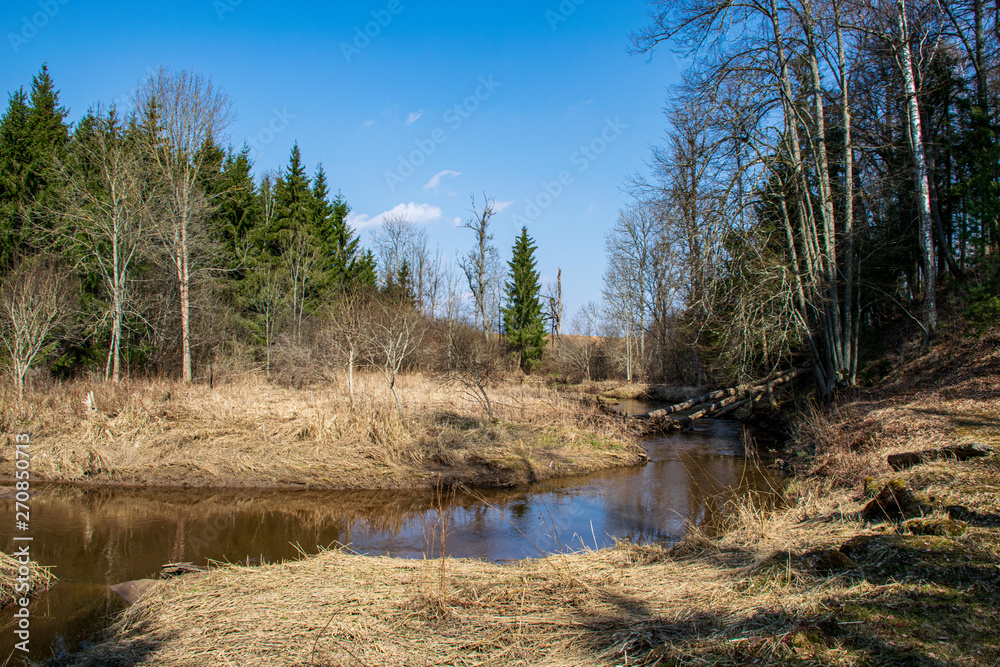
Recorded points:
(522, 317)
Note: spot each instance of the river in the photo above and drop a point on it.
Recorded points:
(98, 537)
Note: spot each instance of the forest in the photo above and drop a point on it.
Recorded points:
(134, 244)
(827, 186)
(284, 439)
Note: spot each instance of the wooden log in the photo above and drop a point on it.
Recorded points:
(775, 379)
(720, 399)
(731, 408)
(694, 402)
(714, 407)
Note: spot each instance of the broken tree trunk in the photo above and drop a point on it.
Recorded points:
(719, 402)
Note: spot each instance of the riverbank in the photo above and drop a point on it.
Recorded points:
(828, 579)
(37, 580)
(252, 433)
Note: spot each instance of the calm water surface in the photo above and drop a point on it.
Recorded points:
(98, 537)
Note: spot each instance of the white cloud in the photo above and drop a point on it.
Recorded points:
(435, 182)
(370, 123)
(418, 214)
(414, 117)
(501, 205)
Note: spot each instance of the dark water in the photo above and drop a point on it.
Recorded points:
(98, 537)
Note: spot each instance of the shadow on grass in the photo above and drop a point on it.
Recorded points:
(928, 601)
(124, 654)
(963, 420)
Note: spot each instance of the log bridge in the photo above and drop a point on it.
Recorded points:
(719, 403)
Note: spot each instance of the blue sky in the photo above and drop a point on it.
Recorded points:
(537, 104)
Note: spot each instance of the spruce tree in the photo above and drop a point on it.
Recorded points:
(365, 276)
(237, 213)
(15, 151)
(293, 205)
(338, 242)
(49, 139)
(523, 322)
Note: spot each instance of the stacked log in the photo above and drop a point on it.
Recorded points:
(720, 402)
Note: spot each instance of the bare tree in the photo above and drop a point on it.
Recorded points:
(35, 301)
(555, 314)
(481, 264)
(475, 363)
(300, 259)
(766, 97)
(588, 325)
(351, 330)
(631, 246)
(393, 241)
(394, 334)
(107, 209)
(268, 300)
(182, 113)
(397, 241)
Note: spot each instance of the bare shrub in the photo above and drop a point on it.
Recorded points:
(36, 304)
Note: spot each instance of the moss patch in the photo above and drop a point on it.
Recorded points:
(936, 527)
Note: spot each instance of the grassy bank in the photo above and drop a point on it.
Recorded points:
(38, 579)
(818, 582)
(254, 434)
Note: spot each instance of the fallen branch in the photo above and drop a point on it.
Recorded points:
(720, 402)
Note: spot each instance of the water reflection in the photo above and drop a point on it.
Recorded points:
(98, 537)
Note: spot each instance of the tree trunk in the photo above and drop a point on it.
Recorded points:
(350, 375)
(559, 310)
(920, 173)
(806, 217)
(184, 280)
(395, 395)
(849, 276)
(830, 264)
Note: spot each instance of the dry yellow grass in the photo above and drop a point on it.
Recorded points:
(758, 595)
(750, 597)
(583, 609)
(39, 578)
(950, 395)
(254, 433)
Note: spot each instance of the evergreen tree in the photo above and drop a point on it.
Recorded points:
(33, 141)
(294, 205)
(15, 151)
(338, 243)
(365, 272)
(48, 134)
(237, 215)
(522, 318)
